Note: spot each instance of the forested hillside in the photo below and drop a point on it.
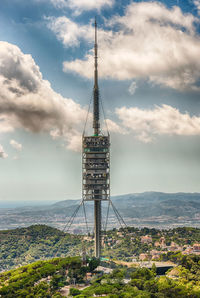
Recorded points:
(26, 245)
(40, 279)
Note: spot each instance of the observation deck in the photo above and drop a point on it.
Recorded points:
(96, 168)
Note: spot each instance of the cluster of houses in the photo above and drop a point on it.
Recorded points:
(154, 254)
(159, 246)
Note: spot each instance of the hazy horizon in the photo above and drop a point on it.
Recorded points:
(35, 203)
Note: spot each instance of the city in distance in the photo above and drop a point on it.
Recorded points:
(149, 209)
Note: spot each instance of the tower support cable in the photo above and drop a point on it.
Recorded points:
(119, 217)
(108, 209)
(86, 223)
(67, 227)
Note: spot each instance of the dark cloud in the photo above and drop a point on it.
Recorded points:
(29, 102)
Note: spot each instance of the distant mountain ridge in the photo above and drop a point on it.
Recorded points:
(153, 209)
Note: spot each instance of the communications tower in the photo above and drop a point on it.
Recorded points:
(96, 161)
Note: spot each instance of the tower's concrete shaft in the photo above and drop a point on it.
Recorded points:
(97, 228)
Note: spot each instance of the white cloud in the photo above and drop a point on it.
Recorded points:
(132, 88)
(162, 120)
(69, 32)
(79, 6)
(197, 4)
(114, 127)
(16, 145)
(153, 42)
(74, 138)
(74, 141)
(29, 102)
(2, 152)
(5, 124)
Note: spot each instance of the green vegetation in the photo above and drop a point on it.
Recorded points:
(46, 279)
(32, 280)
(26, 245)
(143, 282)
(125, 243)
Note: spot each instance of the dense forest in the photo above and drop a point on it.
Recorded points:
(26, 245)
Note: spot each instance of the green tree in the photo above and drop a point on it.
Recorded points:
(74, 292)
(93, 264)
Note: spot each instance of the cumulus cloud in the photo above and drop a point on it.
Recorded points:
(153, 42)
(69, 32)
(162, 120)
(2, 152)
(83, 5)
(16, 145)
(114, 127)
(29, 102)
(197, 4)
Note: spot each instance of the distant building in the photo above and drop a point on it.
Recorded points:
(120, 234)
(196, 247)
(162, 242)
(87, 238)
(104, 270)
(88, 276)
(174, 247)
(146, 239)
(143, 257)
(157, 244)
(188, 251)
(155, 254)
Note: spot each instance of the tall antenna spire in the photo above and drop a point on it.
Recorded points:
(96, 124)
(96, 162)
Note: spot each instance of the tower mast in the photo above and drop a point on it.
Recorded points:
(96, 161)
(96, 126)
(96, 88)
(96, 164)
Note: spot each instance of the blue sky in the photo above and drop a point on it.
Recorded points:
(149, 73)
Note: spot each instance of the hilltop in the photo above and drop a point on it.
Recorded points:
(26, 245)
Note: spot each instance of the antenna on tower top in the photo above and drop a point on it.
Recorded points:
(96, 124)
